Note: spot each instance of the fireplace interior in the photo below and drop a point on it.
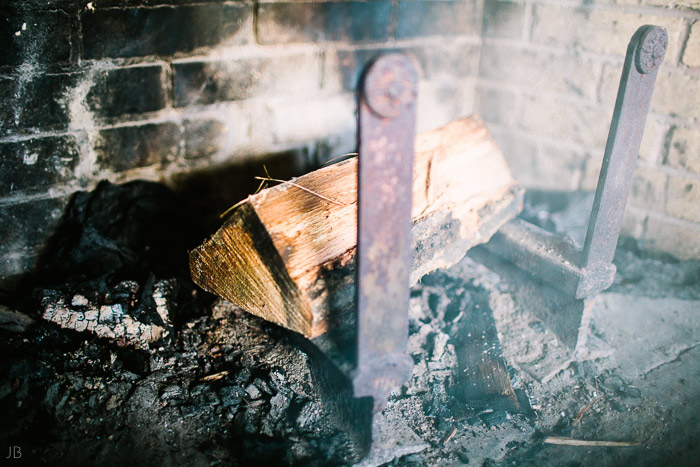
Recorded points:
(129, 128)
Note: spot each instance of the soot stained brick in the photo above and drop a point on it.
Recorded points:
(353, 62)
(130, 147)
(202, 138)
(198, 83)
(503, 19)
(416, 19)
(163, 30)
(34, 101)
(35, 164)
(128, 91)
(280, 23)
(432, 61)
(27, 225)
(34, 38)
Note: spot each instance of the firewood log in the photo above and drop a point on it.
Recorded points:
(287, 253)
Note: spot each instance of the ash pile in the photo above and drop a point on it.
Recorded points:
(113, 355)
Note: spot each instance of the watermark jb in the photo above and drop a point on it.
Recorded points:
(15, 452)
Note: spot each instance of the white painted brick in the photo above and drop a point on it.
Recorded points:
(684, 149)
(691, 53)
(564, 121)
(539, 72)
(598, 30)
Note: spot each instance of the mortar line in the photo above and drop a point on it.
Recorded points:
(683, 36)
(677, 12)
(663, 217)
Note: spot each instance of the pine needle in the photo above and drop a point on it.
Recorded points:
(330, 161)
(269, 179)
(226, 212)
(260, 187)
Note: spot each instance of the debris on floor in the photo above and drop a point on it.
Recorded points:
(198, 381)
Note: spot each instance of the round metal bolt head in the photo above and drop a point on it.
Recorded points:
(651, 50)
(390, 85)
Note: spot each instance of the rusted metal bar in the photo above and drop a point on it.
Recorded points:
(644, 56)
(385, 180)
(567, 276)
(555, 259)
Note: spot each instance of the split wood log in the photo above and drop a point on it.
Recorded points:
(286, 254)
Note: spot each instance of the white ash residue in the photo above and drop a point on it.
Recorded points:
(123, 319)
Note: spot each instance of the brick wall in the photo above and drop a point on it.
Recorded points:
(126, 89)
(547, 84)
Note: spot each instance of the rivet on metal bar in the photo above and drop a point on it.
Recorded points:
(385, 180)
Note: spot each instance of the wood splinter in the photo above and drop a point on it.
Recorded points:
(287, 254)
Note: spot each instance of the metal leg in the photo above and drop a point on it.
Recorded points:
(644, 55)
(385, 183)
(554, 260)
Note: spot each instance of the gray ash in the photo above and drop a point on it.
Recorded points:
(219, 386)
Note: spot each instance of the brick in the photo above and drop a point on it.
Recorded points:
(539, 166)
(634, 223)
(129, 147)
(539, 71)
(595, 30)
(344, 68)
(648, 189)
(518, 152)
(694, 4)
(503, 19)
(557, 167)
(676, 94)
(131, 90)
(691, 53)
(204, 138)
(440, 102)
(289, 22)
(496, 105)
(683, 199)
(610, 82)
(197, 83)
(680, 239)
(654, 134)
(28, 225)
(421, 18)
(34, 164)
(34, 101)
(454, 60)
(34, 38)
(304, 121)
(164, 30)
(652, 140)
(591, 172)
(684, 149)
(572, 123)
